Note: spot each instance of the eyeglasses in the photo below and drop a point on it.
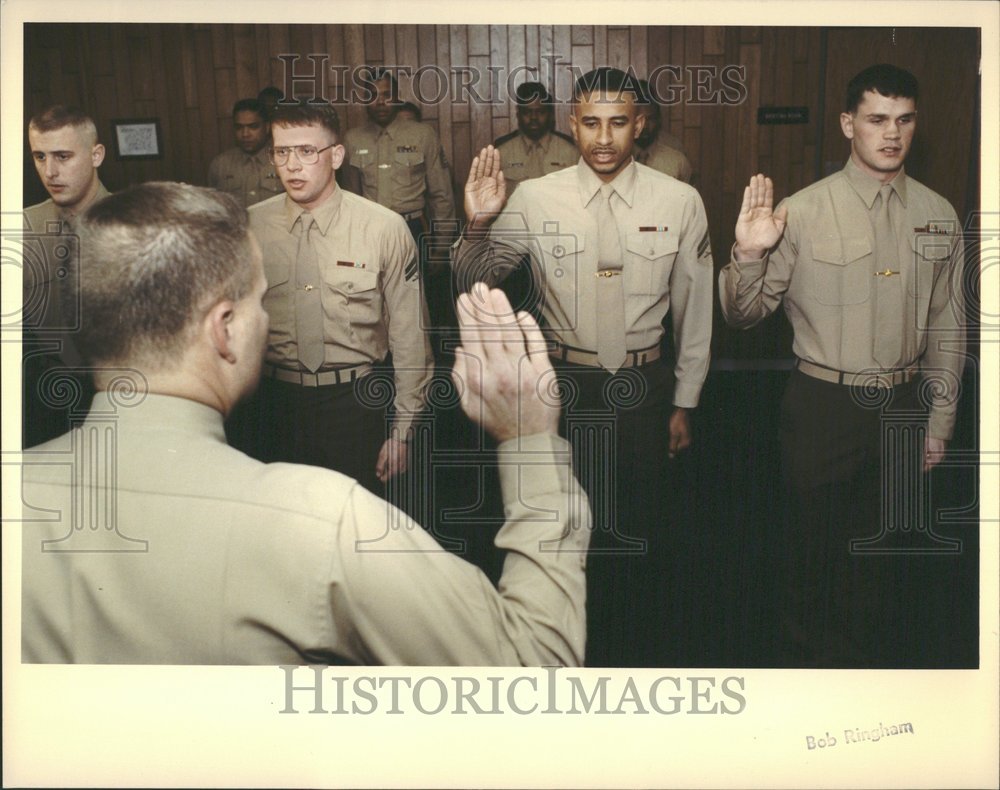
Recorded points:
(306, 154)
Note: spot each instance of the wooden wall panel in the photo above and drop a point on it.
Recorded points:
(188, 76)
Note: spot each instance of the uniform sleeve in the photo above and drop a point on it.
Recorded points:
(440, 196)
(684, 170)
(749, 291)
(493, 258)
(944, 359)
(406, 315)
(409, 602)
(691, 305)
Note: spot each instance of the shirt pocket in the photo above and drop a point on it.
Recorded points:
(562, 268)
(409, 169)
(842, 271)
(931, 254)
(649, 263)
(270, 184)
(278, 297)
(356, 290)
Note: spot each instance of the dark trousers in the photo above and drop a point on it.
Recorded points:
(618, 428)
(333, 426)
(848, 554)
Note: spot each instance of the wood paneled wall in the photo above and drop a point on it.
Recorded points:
(189, 75)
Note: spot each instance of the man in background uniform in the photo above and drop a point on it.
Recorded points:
(535, 148)
(250, 563)
(244, 171)
(613, 246)
(401, 161)
(67, 155)
(868, 264)
(342, 293)
(656, 147)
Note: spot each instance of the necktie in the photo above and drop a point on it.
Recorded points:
(888, 286)
(308, 304)
(610, 290)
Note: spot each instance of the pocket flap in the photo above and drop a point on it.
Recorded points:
(931, 248)
(559, 246)
(352, 281)
(841, 252)
(652, 245)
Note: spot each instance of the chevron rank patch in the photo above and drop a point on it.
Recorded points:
(412, 270)
(705, 246)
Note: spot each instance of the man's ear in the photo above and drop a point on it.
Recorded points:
(337, 154)
(218, 326)
(847, 125)
(640, 124)
(97, 155)
(572, 125)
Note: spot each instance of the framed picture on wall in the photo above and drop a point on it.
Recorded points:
(137, 138)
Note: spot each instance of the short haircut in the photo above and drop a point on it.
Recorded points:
(250, 105)
(303, 113)
(408, 105)
(270, 92)
(883, 78)
(59, 116)
(607, 80)
(375, 74)
(153, 259)
(528, 92)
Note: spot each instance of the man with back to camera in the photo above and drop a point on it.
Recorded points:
(535, 148)
(247, 563)
(342, 293)
(605, 296)
(67, 155)
(868, 264)
(244, 170)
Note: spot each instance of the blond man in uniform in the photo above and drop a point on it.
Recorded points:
(210, 557)
(867, 264)
(244, 170)
(343, 293)
(613, 245)
(535, 148)
(67, 155)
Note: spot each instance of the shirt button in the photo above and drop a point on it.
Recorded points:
(253, 192)
(350, 286)
(308, 287)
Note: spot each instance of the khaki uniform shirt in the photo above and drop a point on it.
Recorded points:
(823, 270)
(371, 296)
(403, 167)
(220, 559)
(522, 158)
(663, 235)
(250, 178)
(662, 156)
(52, 253)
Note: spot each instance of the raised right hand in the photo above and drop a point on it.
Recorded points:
(502, 369)
(485, 190)
(758, 227)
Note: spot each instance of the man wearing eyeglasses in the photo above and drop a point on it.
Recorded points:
(343, 292)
